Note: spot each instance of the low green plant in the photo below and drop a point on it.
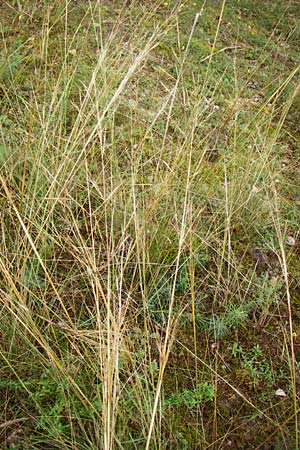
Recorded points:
(235, 316)
(182, 282)
(264, 292)
(255, 363)
(204, 392)
(159, 298)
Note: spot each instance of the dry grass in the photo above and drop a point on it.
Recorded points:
(131, 196)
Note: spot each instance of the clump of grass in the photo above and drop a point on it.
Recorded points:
(132, 187)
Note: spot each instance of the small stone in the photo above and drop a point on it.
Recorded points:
(280, 393)
(290, 240)
(89, 271)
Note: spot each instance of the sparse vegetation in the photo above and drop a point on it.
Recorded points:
(150, 210)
